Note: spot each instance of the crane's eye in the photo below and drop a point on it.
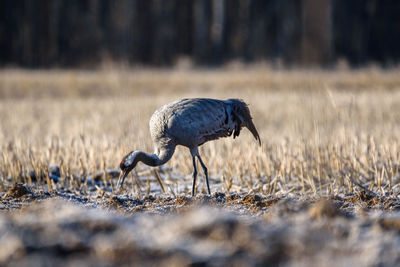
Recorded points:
(122, 165)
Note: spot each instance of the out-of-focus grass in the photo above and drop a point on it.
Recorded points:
(323, 132)
(118, 82)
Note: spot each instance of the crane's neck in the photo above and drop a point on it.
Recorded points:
(160, 157)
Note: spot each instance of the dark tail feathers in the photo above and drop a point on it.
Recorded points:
(240, 109)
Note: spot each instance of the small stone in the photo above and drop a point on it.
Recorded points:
(54, 170)
(32, 175)
(54, 177)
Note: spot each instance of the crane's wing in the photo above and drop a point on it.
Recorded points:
(198, 120)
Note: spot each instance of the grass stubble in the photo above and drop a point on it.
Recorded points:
(323, 188)
(323, 133)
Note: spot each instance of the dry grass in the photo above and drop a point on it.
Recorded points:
(323, 132)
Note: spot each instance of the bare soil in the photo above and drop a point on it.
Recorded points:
(40, 228)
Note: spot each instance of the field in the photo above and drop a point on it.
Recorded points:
(323, 189)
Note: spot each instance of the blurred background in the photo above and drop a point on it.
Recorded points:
(84, 33)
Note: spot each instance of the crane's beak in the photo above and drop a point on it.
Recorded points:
(121, 179)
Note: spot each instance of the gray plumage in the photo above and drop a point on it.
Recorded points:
(190, 123)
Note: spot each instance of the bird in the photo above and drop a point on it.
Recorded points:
(190, 122)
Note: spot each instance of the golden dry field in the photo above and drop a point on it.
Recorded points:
(322, 132)
(322, 190)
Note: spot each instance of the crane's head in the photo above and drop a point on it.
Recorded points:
(127, 164)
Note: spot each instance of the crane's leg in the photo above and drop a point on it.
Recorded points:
(205, 173)
(194, 175)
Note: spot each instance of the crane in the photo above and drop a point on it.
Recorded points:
(190, 122)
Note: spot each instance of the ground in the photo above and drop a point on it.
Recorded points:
(323, 189)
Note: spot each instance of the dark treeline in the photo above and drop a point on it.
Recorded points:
(46, 33)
